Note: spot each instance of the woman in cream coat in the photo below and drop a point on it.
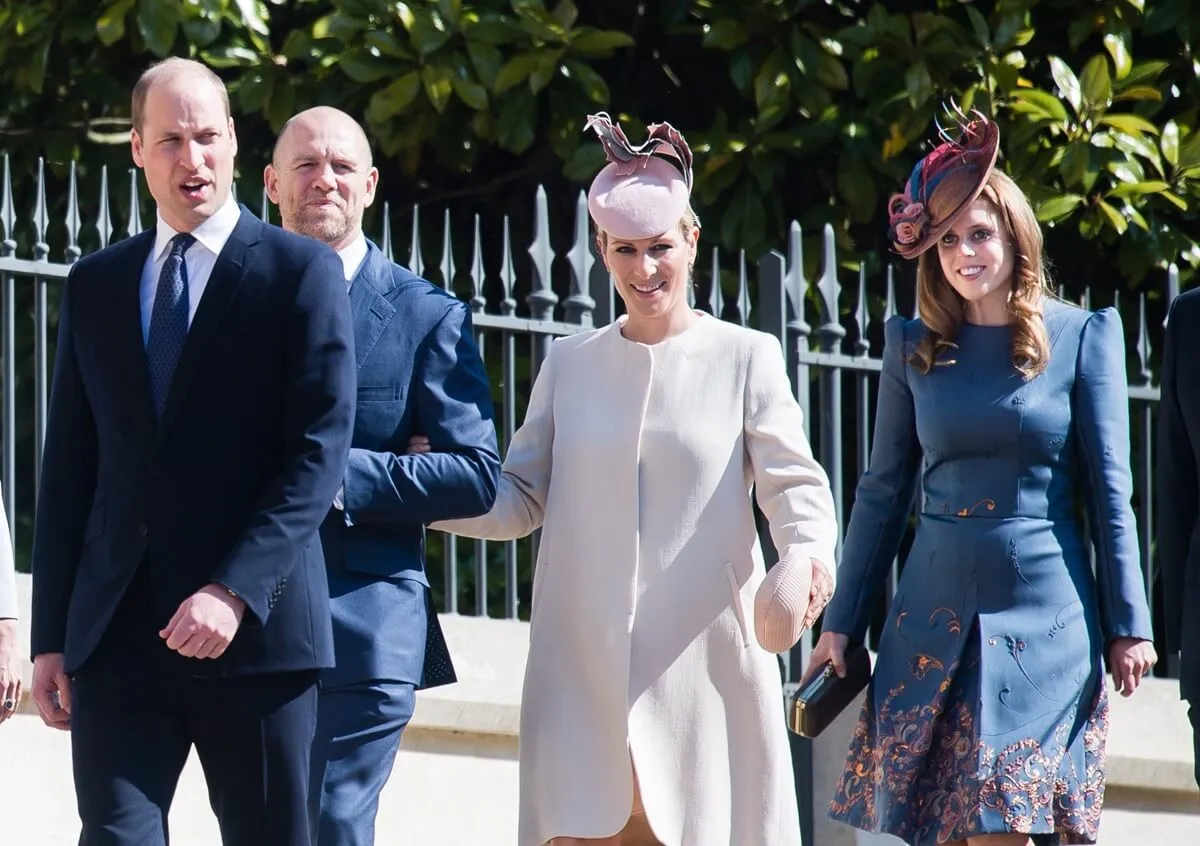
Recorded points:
(637, 456)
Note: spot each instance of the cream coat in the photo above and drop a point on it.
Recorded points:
(637, 462)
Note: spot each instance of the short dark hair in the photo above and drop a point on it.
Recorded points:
(166, 68)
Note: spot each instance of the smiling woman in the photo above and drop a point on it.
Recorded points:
(652, 699)
(986, 718)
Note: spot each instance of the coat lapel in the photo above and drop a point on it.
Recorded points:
(227, 275)
(368, 306)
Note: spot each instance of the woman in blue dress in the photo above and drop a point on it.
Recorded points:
(986, 718)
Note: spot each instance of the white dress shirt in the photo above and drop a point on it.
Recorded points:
(352, 256)
(199, 260)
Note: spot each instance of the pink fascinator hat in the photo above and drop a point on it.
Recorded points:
(643, 191)
(961, 164)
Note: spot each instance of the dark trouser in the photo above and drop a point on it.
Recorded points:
(358, 734)
(136, 712)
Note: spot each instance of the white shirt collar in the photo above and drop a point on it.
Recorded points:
(211, 234)
(352, 256)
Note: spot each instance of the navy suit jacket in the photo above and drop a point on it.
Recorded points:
(231, 485)
(419, 372)
(1177, 497)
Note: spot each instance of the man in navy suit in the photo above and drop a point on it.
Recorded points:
(418, 371)
(200, 420)
(1178, 499)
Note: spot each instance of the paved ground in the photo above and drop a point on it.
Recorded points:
(452, 800)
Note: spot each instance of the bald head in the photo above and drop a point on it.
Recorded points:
(173, 70)
(322, 120)
(321, 176)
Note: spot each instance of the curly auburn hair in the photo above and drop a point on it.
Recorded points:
(943, 310)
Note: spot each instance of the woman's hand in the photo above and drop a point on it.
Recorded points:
(1130, 658)
(10, 670)
(418, 445)
(830, 647)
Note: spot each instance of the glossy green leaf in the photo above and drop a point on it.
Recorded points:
(831, 73)
(1075, 161)
(980, 25)
(566, 13)
(361, 66)
(1115, 219)
(387, 44)
(1144, 72)
(1117, 45)
(1174, 199)
(1138, 92)
(487, 60)
(599, 43)
(1132, 124)
(253, 15)
(438, 83)
(725, 35)
(490, 29)
(1169, 143)
(470, 92)
(547, 66)
(592, 83)
(1096, 83)
(110, 26)
(158, 23)
(1067, 82)
(919, 84)
(516, 120)
(1189, 153)
(429, 33)
(395, 99)
(516, 71)
(1137, 189)
(1059, 207)
(1034, 101)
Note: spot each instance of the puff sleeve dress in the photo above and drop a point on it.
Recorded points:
(987, 712)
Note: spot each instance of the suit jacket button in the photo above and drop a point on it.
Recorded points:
(143, 530)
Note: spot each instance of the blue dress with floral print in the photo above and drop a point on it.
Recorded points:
(987, 712)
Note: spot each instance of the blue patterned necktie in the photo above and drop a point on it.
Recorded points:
(168, 320)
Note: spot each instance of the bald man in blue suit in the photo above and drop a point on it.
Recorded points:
(418, 371)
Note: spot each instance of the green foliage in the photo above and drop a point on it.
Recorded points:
(797, 109)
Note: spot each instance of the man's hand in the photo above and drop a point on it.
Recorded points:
(52, 690)
(205, 623)
(10, 669)
(418, 444)
(1128, 660)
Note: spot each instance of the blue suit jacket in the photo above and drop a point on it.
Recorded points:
(419, 371)
(232, 483)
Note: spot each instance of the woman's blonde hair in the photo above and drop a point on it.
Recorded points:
(943, 310)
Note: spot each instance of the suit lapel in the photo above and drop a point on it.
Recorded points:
(227, 275)
(128, 320)
(369, 308)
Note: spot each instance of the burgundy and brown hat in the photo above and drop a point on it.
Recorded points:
(643, 191)
(962, 165)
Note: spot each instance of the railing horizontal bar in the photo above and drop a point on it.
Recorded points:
(522, 324)
(30, 267)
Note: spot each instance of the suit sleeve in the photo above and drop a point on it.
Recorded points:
(883, 500)
(1102, 427)
(1176, 475)
(318, 424)
(66, 491)
(8, 572)
(453, 408)
(791, 487)
(520, 504)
